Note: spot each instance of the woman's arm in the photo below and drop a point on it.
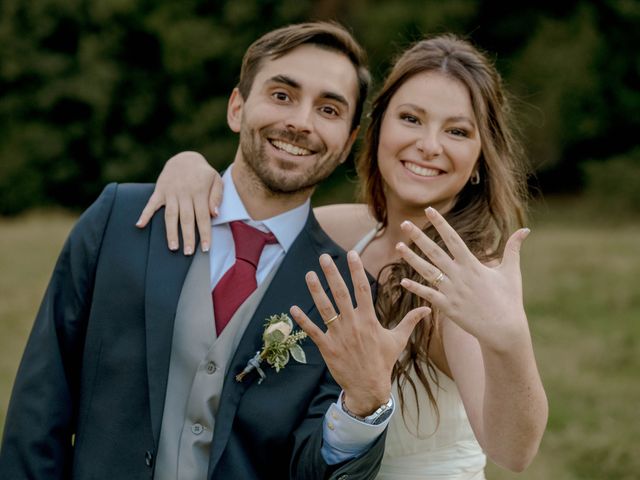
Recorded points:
(189, 189)
(486, 340)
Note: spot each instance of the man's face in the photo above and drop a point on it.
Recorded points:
(295, 124)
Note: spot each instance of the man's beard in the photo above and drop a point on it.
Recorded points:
(278, 182)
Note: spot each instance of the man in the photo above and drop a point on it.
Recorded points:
(130, 368)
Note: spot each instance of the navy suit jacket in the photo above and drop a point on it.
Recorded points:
(88, 398)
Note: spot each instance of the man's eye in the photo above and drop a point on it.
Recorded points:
(280, 96)
(329, 110)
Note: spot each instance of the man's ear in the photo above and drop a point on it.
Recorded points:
(234, 110)
(347, 147)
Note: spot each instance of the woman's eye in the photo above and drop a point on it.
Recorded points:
(407, 117)
(459, 132)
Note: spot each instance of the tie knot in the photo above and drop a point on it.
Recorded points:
(250, 241)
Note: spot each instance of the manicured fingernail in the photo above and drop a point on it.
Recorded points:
(405, 225)
(139, 222)
(325, 260)
(400, 245)
(216, 211)
(430, 211)
(352, 256)
(173, 246)
(205, 247)
(188, 250)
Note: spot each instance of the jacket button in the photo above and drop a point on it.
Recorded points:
(148, 458)
(197, 429)
(211, 368)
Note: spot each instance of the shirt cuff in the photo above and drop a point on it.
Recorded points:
(345, 437)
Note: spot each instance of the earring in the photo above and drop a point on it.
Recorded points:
(475, 178)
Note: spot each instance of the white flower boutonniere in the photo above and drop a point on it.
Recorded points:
(279, 345)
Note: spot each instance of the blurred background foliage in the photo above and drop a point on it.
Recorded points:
(93, 91)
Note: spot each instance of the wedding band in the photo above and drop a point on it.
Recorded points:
(331, 320)
(437, 281)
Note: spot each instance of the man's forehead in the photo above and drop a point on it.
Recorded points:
(312, 66)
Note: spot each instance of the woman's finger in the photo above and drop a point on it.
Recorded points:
(203, 221)
(215, 194)
(153, 205)
(438, 257)
(434, 297)
(449, 236)
(419, 264)
(511, 257)
(187, 224)
(171, 222)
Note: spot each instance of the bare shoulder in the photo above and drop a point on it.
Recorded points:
(345, 223)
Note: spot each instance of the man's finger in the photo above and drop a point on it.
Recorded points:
(307, 325)
(320, 298)
(338, 288)
(361, 286)
(409, 322)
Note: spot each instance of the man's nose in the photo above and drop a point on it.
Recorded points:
(300, 118)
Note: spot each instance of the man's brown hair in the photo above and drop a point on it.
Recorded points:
(330, 35)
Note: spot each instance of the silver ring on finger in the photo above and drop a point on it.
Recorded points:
(438, 280)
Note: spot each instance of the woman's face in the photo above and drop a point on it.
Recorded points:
(429, 142)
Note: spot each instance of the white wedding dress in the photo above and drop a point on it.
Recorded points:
(420, 448)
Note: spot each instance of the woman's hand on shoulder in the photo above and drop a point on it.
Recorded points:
(345, 223)
(190, 190)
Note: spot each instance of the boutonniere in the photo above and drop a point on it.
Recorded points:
(279, 345)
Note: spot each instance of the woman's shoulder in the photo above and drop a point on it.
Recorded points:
(345, 223)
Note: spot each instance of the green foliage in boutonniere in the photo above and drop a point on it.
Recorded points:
(280, 344)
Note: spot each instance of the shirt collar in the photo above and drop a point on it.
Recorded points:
(285, 226)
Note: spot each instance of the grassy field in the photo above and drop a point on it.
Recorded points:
(582, 292)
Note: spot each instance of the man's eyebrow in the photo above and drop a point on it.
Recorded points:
(336, 97)
(285, 80)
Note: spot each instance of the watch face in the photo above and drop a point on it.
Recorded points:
(383, 416)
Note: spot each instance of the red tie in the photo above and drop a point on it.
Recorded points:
(240, 280)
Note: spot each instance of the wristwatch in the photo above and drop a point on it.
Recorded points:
(383, 412)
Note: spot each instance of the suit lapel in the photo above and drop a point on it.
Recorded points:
(166, 272)
(287, 288)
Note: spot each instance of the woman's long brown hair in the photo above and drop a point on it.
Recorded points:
(483, 215)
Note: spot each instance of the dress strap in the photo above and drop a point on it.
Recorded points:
(366, 240)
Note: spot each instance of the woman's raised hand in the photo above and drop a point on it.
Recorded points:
(486, 301)
(189, 189)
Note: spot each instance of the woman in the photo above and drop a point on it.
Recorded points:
(467, 381)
